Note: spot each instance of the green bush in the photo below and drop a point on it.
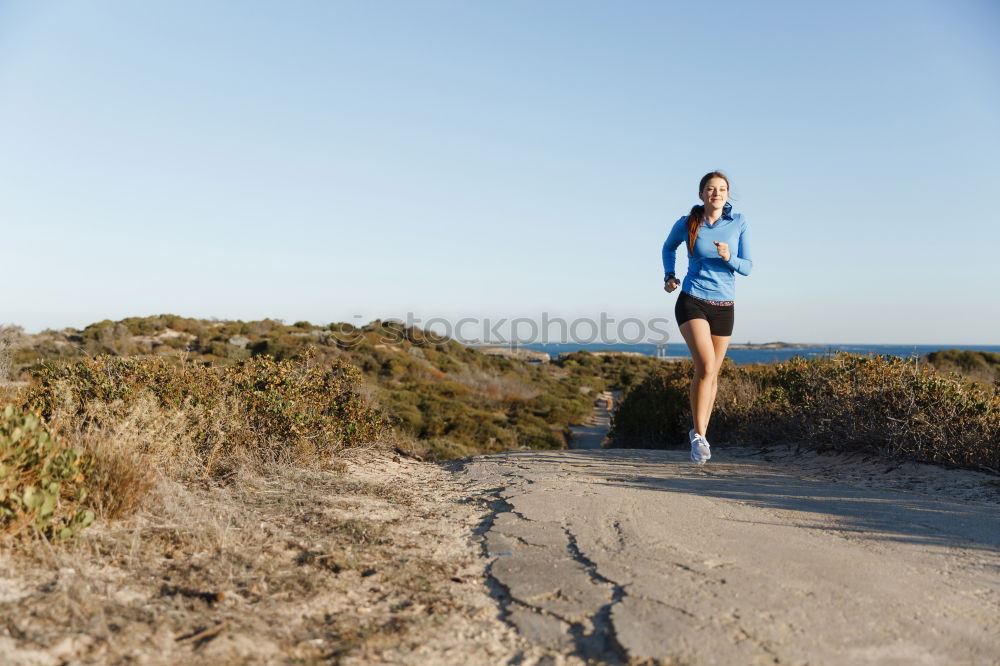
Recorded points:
(656, 412)
(43, 484)
(291, 398)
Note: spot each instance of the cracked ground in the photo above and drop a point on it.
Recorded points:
(618, 556)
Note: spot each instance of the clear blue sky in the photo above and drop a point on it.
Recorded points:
(342, 161)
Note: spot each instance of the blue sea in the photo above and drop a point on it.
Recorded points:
(745, 356)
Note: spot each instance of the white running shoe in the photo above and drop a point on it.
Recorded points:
(700, 450)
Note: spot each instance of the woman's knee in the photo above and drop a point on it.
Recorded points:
(706, 370)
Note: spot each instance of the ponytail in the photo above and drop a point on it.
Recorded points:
(695, 218)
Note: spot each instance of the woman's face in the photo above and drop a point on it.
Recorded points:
(716, 192)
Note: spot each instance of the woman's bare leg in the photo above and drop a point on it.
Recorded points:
(720, 344)
(704, 384)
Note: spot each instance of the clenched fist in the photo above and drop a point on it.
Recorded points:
(723, 249)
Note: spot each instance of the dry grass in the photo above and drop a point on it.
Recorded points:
(128, 453)
(9, 337)
(300, 566)
(136, 444)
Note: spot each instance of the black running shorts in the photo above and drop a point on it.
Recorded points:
(720, 317)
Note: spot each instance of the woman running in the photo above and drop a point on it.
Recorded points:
(718, 247)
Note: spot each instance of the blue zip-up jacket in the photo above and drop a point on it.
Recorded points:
(708, 276)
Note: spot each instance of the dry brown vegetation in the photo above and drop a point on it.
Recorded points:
(189, 420)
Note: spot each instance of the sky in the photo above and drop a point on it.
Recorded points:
(347, 161)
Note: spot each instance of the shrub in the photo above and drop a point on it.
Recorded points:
(978, 366)
(882, 405)
(259, 410)
(291, 398)
(656, 411)
(43, 484)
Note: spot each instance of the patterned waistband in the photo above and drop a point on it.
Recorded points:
(705, 300)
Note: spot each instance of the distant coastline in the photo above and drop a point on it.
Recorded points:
(494, 347)
(774, 345)
(745, 353)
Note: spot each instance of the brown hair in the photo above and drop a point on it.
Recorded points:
(697, 214)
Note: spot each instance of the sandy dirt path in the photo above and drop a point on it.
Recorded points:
(594, 433)
(626, 556)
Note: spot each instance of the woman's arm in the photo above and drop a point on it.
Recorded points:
(741, 262)
(674, 238)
